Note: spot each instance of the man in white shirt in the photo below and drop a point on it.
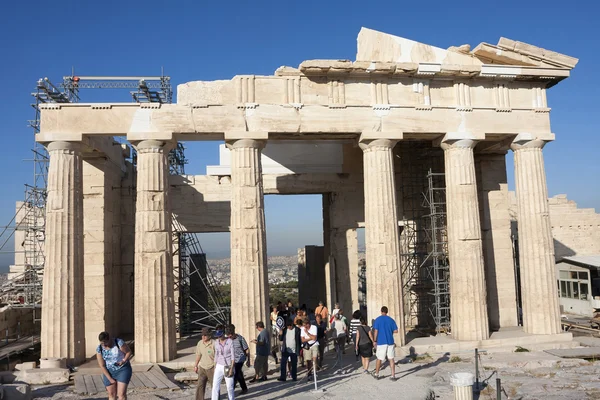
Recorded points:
(290, 348)
(308, 336)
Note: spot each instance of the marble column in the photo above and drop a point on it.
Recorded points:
(344, 250)
(154, 307)
(384, 280)
(249, 284)
(343, 209)
(496, 239)
(468, 305)
(63, 322)
(541, 313)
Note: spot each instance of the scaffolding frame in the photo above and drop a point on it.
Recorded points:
(193, 315)
(25, 289)
(438, 268)
(420, 253)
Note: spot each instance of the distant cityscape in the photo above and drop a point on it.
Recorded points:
(282, 269)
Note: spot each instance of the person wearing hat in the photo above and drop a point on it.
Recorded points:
(205, 362)
(224, 365)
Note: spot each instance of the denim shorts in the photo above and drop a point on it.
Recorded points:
(122, 375)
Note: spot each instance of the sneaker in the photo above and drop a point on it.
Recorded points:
(394, 379)
(376, 376)
(281, 379)
(244, 391)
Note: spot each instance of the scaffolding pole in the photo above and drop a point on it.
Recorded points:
(438, 268)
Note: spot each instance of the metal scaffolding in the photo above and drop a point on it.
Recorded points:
(421, 251)
(24, 288)
(437, 258)
(198, 298)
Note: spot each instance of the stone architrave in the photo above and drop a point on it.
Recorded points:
(154, 307)
(384, 280)
(63, 326)
(468, 305)
(250, 294)
(541, 312)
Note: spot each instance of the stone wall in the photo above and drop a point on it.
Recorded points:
(16, 319)
(102, 244)
(576, 231)
(125, 268)
(311, 276)
(497, 245)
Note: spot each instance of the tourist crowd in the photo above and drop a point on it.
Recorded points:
(299, 336)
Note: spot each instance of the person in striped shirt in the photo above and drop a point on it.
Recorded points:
(240, 353)
(354, 324)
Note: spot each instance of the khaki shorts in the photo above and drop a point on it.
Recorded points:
(313, 352)
(384, 350)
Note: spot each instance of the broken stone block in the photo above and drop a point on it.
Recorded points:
(53, 363)
(45, 376)
(24, 366)
(186, 376)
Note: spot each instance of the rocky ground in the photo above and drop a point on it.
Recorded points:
(529, 375)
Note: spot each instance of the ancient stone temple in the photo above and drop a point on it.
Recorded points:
(358, 132)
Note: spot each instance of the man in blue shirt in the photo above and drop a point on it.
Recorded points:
(384, 328)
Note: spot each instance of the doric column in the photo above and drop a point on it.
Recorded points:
(249, 284)
(154, 307)
(384, 280)
(63, 327)
(101, 241)
(497, 244)
(468, 306)
(541, 313)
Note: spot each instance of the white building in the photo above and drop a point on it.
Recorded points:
(579, 284)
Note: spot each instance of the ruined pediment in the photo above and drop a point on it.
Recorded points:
(375, 46)
(378, 46)
(511, 52)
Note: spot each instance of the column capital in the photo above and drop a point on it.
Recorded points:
(253, 135)
(458, 144)
(529, 141)
(245, 144)
(153, 146)
(60, 145)
(367, 137)
(459, 140)
(377, 144)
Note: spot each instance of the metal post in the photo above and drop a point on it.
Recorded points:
(6, 333)
(18, 330)
(498, 389)
(476, 369)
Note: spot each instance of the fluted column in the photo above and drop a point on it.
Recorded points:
(468, 307)
(63, 328)
(541, 313)
(496, 240)
(384, 279)
(249, 284)
(154, 307)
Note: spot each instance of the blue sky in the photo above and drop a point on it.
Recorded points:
(198, 40)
